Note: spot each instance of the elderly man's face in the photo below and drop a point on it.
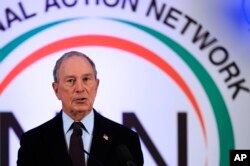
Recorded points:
(76, 87)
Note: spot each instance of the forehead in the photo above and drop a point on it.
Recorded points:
(75, 64)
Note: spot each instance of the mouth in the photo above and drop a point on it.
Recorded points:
(80, 100)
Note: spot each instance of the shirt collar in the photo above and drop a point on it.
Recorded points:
(88, 122)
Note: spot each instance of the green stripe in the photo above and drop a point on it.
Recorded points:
(8, 48)
(226, 136)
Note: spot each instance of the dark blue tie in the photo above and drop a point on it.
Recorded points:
(76, 145)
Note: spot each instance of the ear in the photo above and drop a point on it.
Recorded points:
(55, 88)
(97, 83)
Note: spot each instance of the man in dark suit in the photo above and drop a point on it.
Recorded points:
(103, 142)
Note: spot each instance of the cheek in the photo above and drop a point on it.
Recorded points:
(93, 94)
(64, 93)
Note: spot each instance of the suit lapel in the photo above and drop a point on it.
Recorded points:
(56, 142)
(101, 142)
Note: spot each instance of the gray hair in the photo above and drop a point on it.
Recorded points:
(68, 55)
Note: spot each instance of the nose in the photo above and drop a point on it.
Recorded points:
(79, 87)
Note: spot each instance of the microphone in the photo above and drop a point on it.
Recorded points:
(124, 156)
(92, 157)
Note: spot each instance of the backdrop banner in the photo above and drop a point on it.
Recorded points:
(177, 72)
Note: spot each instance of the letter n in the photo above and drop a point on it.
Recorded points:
(7, 121)
(130, 120)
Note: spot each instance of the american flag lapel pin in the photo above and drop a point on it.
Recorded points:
(106, 137)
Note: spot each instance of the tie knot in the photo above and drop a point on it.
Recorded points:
(77, 128)
(77, 125)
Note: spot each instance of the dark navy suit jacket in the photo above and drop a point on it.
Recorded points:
(45, 145)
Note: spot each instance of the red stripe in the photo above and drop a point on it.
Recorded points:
(106, 41)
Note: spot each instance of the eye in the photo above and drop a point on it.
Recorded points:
(70, 81)
(88, 79)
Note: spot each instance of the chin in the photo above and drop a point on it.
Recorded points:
(82, 110)
(79, 114)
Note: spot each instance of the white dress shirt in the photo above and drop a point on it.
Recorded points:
(88, 122)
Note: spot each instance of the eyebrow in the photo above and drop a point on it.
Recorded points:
(84, 75)
(69, 76)
(89, 74)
